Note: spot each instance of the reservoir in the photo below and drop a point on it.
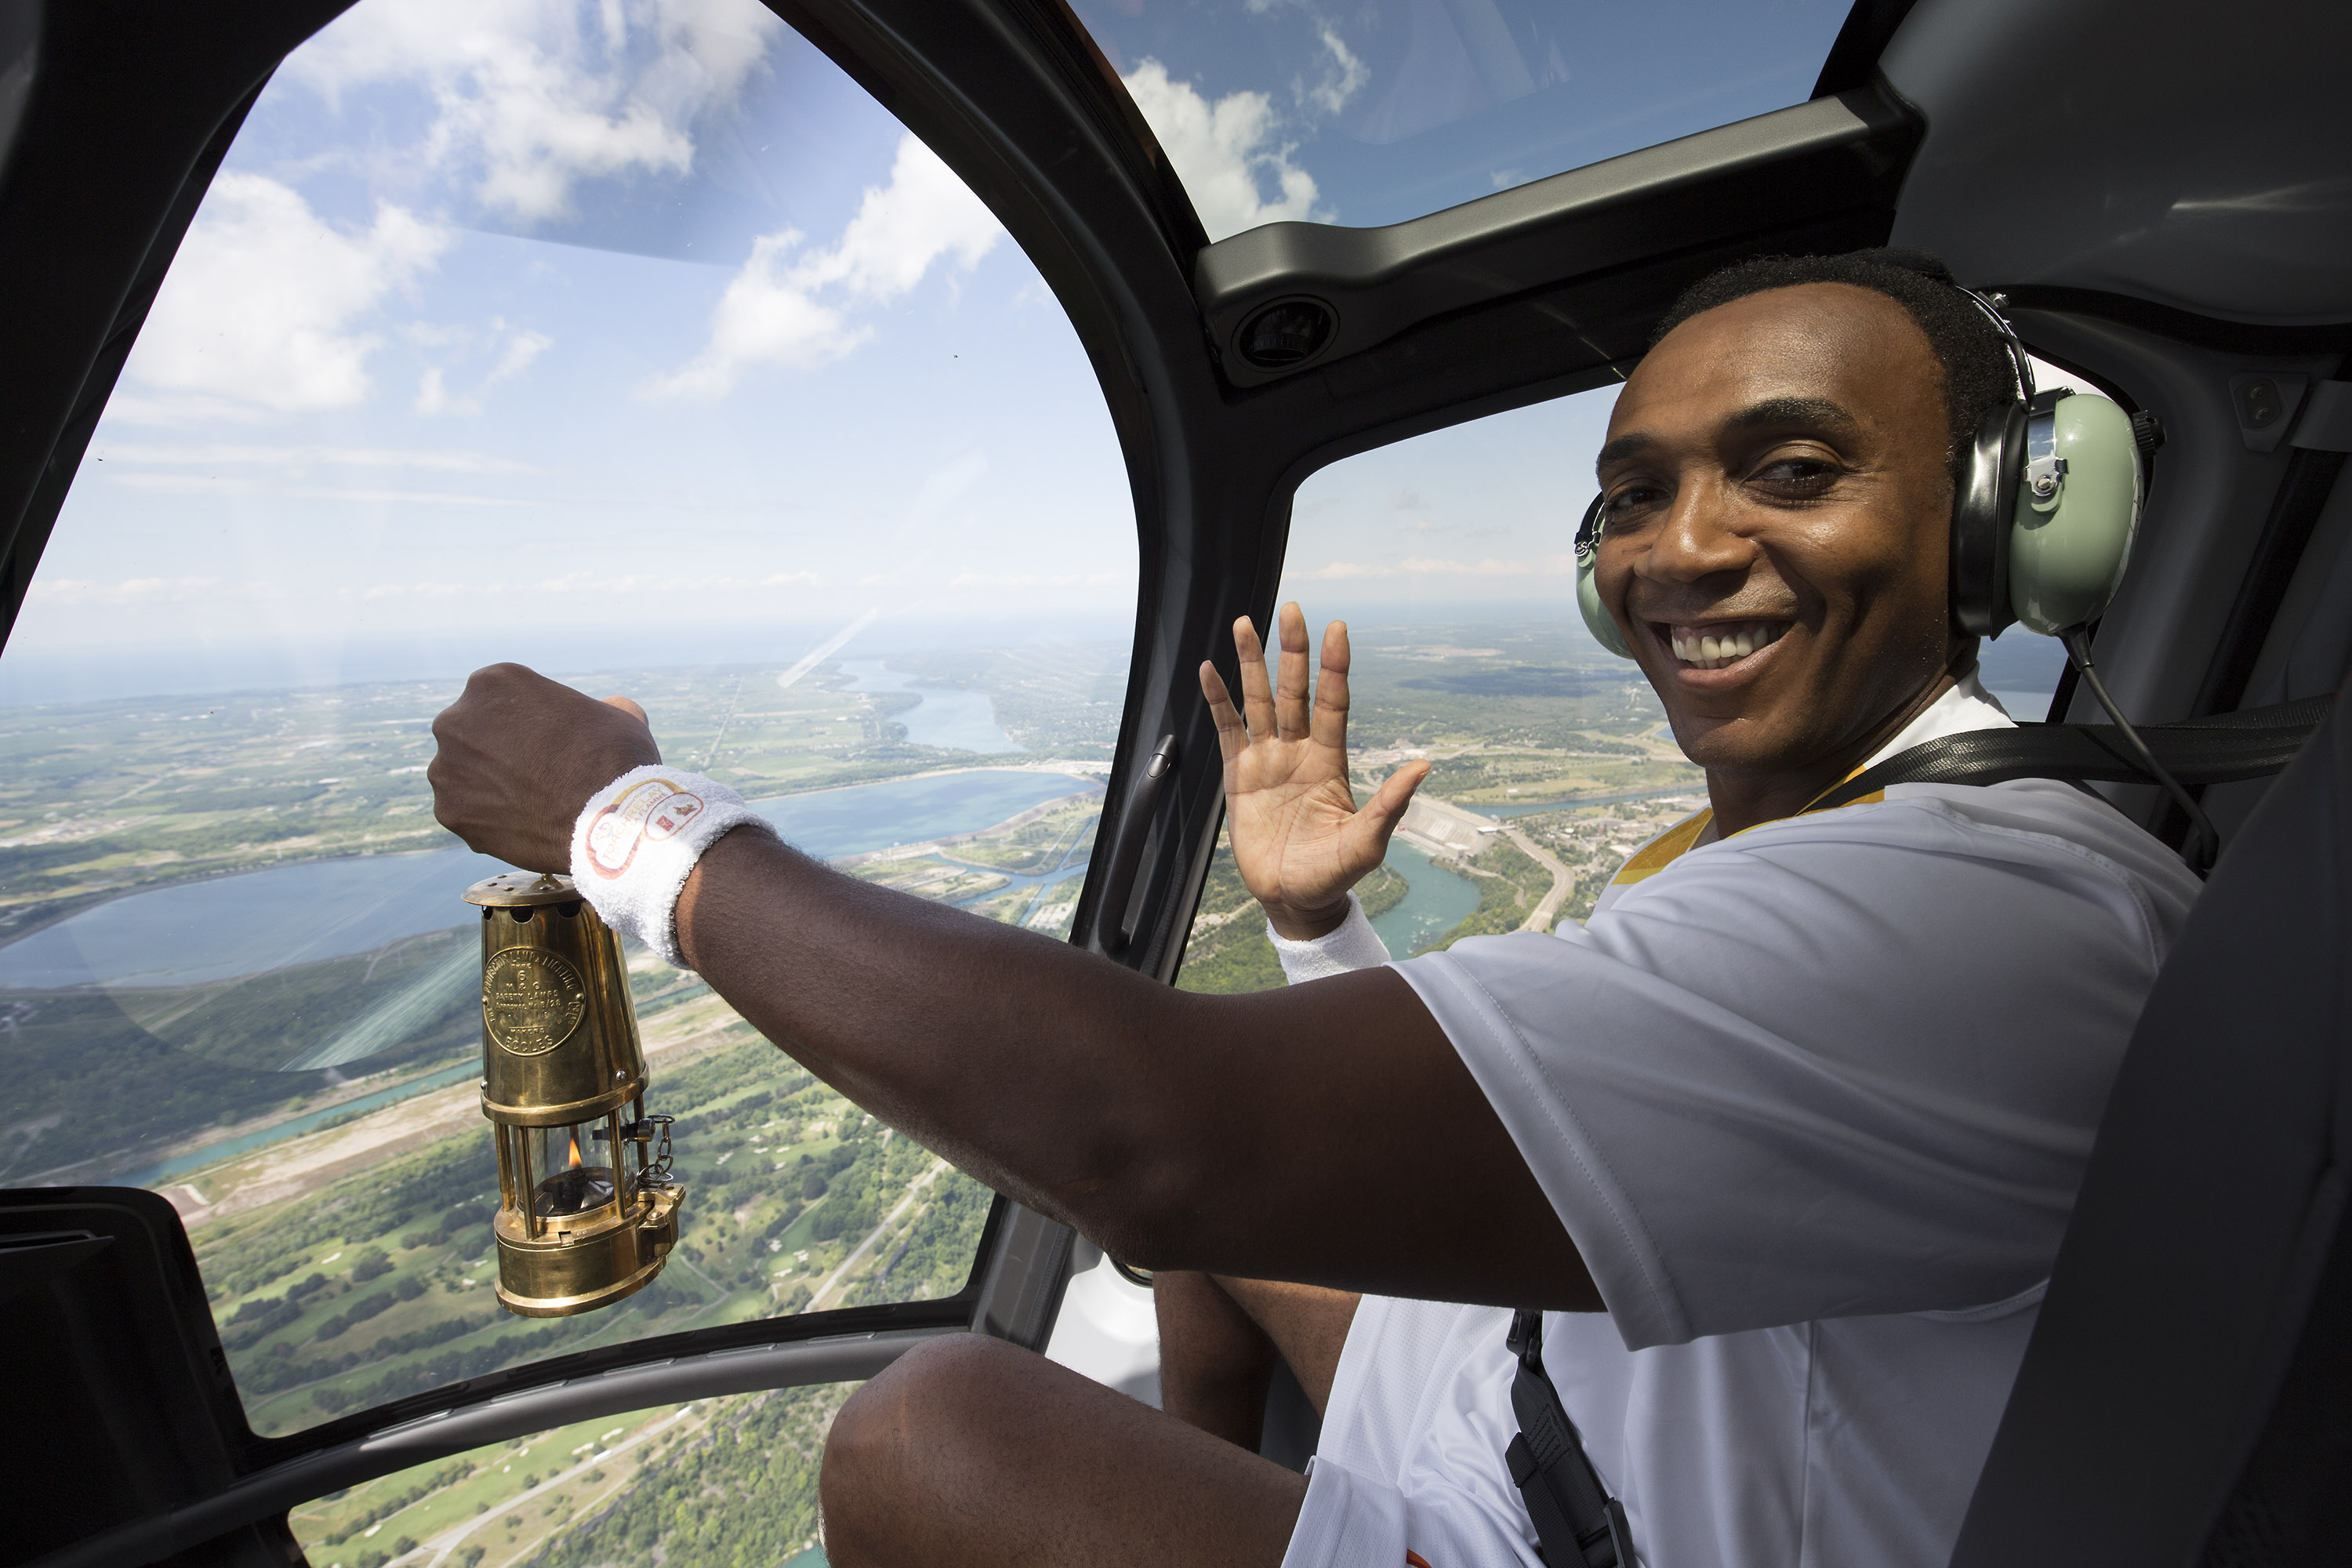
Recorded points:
(1436, 901)
(953, 720)
(327, 908)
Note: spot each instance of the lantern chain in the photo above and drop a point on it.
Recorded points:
(659, 1127)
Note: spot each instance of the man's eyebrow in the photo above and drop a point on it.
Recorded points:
(1771, 411)
(1624, 446)
(1792, 411)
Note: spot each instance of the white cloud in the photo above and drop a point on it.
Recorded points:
(180, 411)
(82, 593)
(1344, 75)
(1036, 580)
(432, 591)
(432, 395)
(1562, 565)
(433, 398)
(588, 584)
(793, 309)
(533, 96)
(1228, 154)
(225, 485)
(584, 583)
(521, 349)
(765, 316)
(264, 304)
(225, 454)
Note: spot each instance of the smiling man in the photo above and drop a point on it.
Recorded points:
(1783, 1139)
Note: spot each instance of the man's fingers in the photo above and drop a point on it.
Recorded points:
(1232, 739)
(629, 705)
(1257, 694)
(1290, 690)
(1330, 721)
(1386, 808)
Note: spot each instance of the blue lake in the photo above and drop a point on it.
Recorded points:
(327, 908)
(1436, 901)
(956, 721)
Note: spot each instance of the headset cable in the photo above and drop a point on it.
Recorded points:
(2204, 844)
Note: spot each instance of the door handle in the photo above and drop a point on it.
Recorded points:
(1134, 832)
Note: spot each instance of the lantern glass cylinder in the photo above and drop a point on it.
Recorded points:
(578, 1180)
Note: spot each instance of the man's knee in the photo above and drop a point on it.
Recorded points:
(896, 1436)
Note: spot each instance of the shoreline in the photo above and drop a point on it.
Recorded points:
(75, 906)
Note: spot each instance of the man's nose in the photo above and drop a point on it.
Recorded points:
(1698, 537)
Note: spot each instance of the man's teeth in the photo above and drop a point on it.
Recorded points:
(1713, 647)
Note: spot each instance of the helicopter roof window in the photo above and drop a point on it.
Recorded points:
(1378, 111)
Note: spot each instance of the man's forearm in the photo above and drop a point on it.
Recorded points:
(1022, 1060)
(1249, 1135)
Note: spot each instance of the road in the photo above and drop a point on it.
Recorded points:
(439, 1547)
(914, 1191)
(1563, 881)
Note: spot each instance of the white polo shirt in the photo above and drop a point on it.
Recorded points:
(1814, 1103)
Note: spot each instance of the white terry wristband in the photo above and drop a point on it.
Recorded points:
(1354, 944)
(638, 839)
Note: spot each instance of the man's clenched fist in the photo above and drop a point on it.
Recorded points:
(519, 756)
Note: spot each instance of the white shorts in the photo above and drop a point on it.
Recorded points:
(1411, 1461)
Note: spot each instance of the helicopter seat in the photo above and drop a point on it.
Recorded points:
(2185, 1397)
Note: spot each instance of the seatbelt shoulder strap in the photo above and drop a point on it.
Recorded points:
(1579, 1524)
(2225, 749)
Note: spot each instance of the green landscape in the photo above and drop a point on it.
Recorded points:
(316, 1123)
(1511, 718)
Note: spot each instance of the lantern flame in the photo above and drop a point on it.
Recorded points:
(573, 1164)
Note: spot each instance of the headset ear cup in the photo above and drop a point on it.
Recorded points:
(1597, 618)
(1983, 505)
(2068, 549)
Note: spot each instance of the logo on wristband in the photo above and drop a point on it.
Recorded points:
(650, 808)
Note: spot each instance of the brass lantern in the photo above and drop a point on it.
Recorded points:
(587, 1206)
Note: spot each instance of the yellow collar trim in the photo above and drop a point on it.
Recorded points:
(1663, 850)
(1676, 841)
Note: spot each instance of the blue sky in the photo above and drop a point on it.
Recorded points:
(1371, 112)
(537, 327)
(619, 332)
(622, 332)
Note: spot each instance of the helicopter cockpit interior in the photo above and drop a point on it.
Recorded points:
(900, 398)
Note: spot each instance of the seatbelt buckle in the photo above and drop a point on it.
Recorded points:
(1619, 1539)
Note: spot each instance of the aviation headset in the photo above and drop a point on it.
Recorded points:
(2043, 516)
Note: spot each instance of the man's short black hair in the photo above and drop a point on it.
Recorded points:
(1977, 372)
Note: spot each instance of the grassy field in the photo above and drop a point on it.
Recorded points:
(363, 1284)
(689, 1486)
(352, 1264)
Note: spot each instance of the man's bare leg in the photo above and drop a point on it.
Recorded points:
(972, 1452)
(1215, 1362)
(1307, 1323)
(1219, 1338)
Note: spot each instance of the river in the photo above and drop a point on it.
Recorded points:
(292, 1127)
(1436, 901)
(943, 717)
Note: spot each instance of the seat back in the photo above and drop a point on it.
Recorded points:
(2186, 1395)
